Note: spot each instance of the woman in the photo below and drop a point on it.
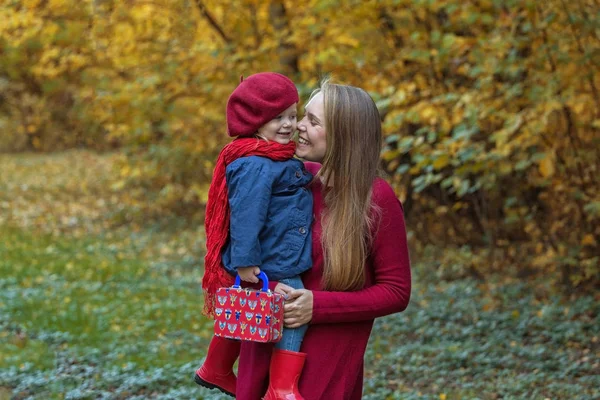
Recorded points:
(361, 267)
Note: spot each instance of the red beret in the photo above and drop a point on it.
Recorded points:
(257, 100)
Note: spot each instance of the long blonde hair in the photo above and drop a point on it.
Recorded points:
(350, 166)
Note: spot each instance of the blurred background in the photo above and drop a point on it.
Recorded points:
(111, 117)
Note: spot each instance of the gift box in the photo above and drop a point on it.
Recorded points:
(249, 314)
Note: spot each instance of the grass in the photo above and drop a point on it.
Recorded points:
(467, 340)
(92, 311)
(82, 318)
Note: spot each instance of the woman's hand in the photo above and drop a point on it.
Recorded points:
(283, 289)
(298, 308)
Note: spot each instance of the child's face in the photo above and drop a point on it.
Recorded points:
(281, 128)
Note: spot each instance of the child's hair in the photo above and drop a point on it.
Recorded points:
(257, 100)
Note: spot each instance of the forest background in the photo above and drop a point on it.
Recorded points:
(112, 114)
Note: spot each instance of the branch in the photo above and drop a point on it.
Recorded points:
(288, 53)
(388, 26)
(581, 49)
(254, 22)
(212, 21)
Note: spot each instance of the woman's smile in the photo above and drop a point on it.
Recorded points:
(302, 141)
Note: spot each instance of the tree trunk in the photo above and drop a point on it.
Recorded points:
(288, 54)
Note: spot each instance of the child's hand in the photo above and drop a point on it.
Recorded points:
(248, 274)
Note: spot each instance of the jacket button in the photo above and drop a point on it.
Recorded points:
(298, 174)
(302, 230)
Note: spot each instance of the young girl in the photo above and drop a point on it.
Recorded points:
(258, 218)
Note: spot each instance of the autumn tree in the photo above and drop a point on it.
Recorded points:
(491, 108)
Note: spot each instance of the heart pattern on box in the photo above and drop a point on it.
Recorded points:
(248, 314)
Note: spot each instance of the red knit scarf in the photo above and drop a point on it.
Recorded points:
(216, 222)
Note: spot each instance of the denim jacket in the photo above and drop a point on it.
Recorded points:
(271, 216)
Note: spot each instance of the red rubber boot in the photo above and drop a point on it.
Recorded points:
(217, 370)
(286, 367)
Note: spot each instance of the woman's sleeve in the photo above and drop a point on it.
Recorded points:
(249, 193)
(390, 265)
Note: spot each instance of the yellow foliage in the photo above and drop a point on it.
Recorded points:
(486, 104)
(589, 240)
(441, 161)
(547, 166)
(347, 40)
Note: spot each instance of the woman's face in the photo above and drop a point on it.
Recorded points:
(311, 131)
